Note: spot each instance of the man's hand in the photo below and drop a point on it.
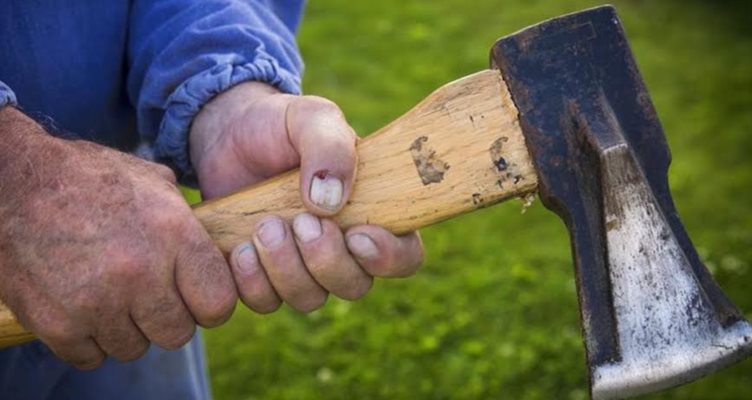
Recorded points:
(251, 133)
(99, 253)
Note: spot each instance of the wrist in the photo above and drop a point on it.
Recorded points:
(17, 132)
(25, 152)
(14, 123)
(218, 115)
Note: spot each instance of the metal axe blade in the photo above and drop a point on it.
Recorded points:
(652, 315)
(668, 331)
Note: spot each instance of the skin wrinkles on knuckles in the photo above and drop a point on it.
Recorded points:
(77, 229)
(120, 226)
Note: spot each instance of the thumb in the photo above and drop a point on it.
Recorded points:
(318, 131)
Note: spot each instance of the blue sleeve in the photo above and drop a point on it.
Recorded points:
(182, 53)
(7, 97)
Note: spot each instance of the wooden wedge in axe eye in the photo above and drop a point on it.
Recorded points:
(563, 112)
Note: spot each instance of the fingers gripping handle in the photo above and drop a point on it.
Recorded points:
(458, 150)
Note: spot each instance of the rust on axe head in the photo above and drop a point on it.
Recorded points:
(652, 315)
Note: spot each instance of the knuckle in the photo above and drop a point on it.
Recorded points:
(81, 355)
(261, 301)
(87, 364)
(84, 300)
(319, 105)
(322, 265)
(218, 308)
(382, 267)
(132, 354)
(177, 338)
(129, 269)
(169, 217)
(165, 208)
(58, 330)
(358, 290)
(327, 257)
(264, 306)
(131, 349)
(310, 302)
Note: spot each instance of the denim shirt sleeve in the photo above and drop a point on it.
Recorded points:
(182, 53)
(7, 97)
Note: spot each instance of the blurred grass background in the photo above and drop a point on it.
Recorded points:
(493, 313)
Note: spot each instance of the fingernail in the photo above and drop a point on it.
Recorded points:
(246, 260)
(306, 227)
(362, 246)
(271, 233)
(326, 190)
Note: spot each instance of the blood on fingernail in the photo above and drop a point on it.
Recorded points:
(326, 190)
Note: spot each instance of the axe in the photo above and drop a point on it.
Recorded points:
(563, 111)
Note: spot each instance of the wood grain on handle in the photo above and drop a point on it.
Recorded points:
(459, 149)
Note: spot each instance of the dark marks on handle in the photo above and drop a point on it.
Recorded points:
(430, 168)
(506, 170)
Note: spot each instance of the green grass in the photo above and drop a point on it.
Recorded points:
(493, 313)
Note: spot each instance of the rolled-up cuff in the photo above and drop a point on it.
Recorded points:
(171, 145)
(7, 97)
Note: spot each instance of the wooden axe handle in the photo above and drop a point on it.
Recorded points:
(458, 150)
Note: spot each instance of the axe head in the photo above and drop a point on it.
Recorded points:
(652, 316)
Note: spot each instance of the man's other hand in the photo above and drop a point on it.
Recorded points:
(99, 253)
(251, 133)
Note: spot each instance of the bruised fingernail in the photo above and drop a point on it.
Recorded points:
(271, 232)
(306, 227)
(246, 260)
(326, 190)
(362, 246)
